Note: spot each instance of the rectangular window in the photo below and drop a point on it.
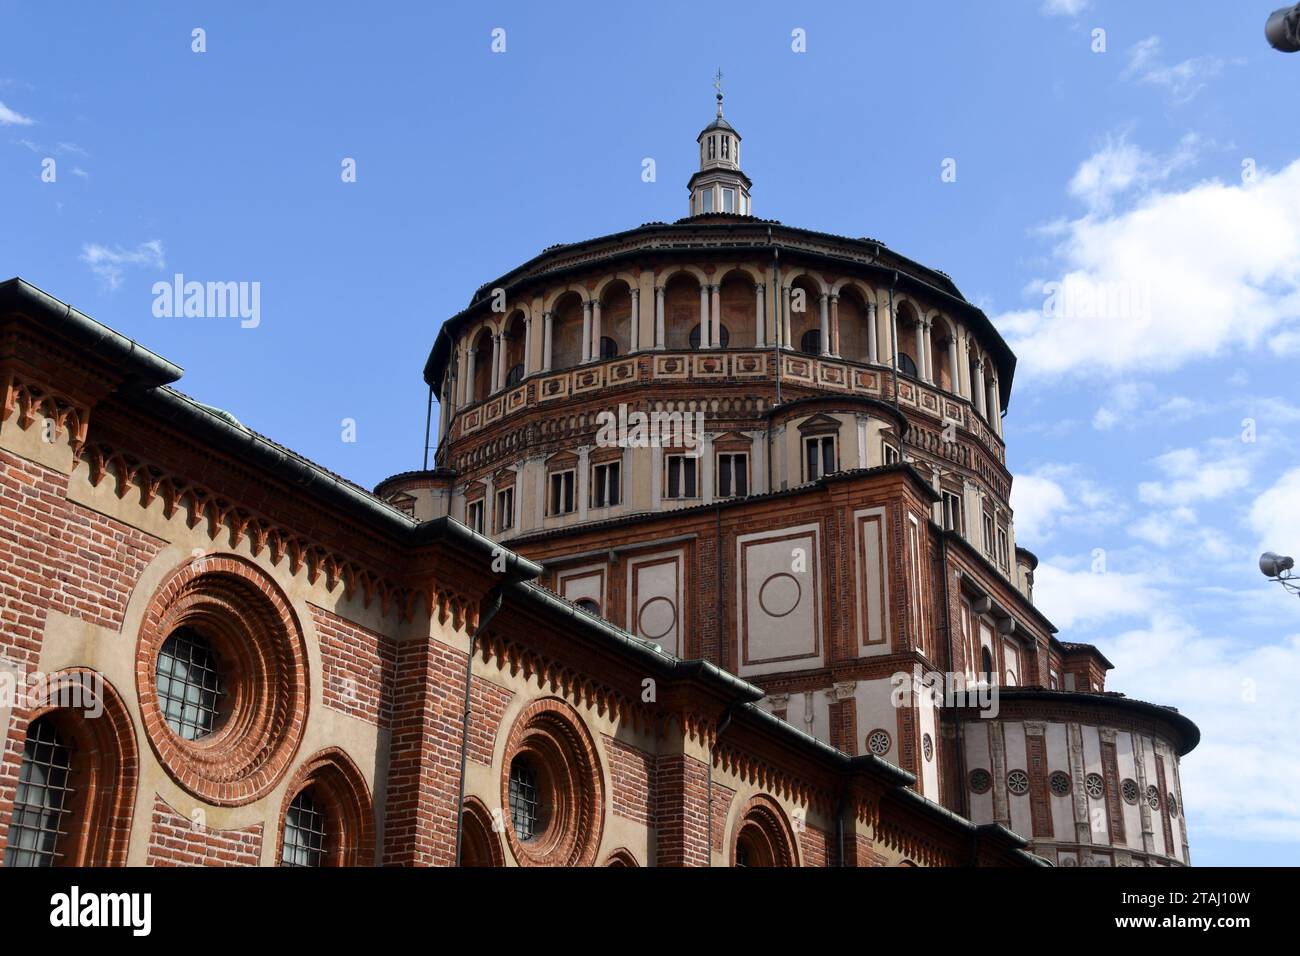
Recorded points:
(706, 199)
(505, 509)
(988, 535)
(561, 493)
(819, 457)
(728, 200)
(1004, 556)
(606, 484)
(682, 476)
(474, 515)
(890, 454)
(733, 475)
(952, 517)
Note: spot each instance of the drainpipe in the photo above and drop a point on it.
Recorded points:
(893, 347)
(717, 549)
(493, 603)
(839, 825)
(952, 657)
(428, 422)
(717, 735)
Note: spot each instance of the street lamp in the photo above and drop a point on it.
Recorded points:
(1277, 567)
(1283, 29)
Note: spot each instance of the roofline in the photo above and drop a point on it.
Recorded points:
(143, 368)
(1187, 731)
(990, 336)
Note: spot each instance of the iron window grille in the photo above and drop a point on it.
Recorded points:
(190, 684)
(525, 800)
(305, 832)
(41, 802)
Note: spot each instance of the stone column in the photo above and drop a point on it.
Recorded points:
(635, 323)
(502, 368)
(548, 319)
(760, 315)
(953, 375)
(470, 361)
(994, 405)
(825, 324)
(785, 317)
(979, 396)
(596, 332)
(835, 325)
(660, 337)
(873, 335)
(586, 331)
(920, 349)
(528, 345)
(706, 321)
(715, 306)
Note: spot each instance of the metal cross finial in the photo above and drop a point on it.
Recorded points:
(717, 85)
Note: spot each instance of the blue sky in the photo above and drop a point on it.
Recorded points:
(1153, 445)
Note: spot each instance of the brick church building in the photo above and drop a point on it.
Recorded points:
(714, 504)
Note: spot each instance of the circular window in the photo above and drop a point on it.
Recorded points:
(221, 672)
(552, 787)
(1129, 788)
(1153, 798)
(927, 747)
(1018, 782)
(1059, 783)
(1172, 804)
(1094, 786)
(878, 742)
(980, 781)
(191, 685)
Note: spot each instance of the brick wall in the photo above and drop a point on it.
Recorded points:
(488, 701)
(424, 756)
(58, 555)
(681, 811)
(631, 772)
(815, 847)
(358, 667)
(175, 840)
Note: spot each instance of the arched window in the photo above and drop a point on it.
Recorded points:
(763, 837)
(587, 604)
(515, 375)
(811, 343)
(723, 335)
(306, 832)
(327, 819)
(45, 796)
(608, 347)
(77, 778)
(986, 665)
(479, 845)
(906, 365)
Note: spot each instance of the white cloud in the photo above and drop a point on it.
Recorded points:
(110, 264)
(1071, 598)
(1036, 501)
(1193, 478)
(1177, 277)
(1275, 515)
(1065, 8)
(1182, 81)
(1120, 166)
(10, 117)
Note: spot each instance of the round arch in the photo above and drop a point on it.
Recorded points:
(342, 798)
(762, 835)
